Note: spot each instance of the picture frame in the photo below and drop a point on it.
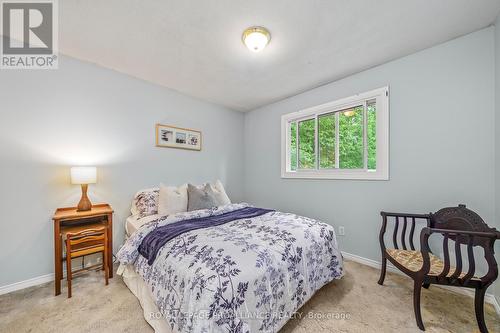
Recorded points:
(168, 136)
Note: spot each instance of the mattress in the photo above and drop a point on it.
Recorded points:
(134, 222)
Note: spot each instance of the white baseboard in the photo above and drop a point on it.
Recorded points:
(489, 298)
(26, 283)
(493, 301)
(45, 278)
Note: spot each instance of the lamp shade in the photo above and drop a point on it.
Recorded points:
(83, 175)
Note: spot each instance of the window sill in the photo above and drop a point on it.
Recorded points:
(337, 174)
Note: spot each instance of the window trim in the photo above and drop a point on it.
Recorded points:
(381, 97)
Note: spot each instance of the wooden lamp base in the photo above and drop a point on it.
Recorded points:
(84, 204)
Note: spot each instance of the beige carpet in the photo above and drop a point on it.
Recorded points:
(354, 304)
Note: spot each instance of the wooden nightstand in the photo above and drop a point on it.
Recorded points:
(69, 219)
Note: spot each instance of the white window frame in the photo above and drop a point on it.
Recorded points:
(381, 97)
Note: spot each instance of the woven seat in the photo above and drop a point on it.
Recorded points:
(413, 261)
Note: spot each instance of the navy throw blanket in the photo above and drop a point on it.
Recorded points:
(155, 240)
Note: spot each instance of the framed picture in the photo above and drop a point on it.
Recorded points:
(177, 137)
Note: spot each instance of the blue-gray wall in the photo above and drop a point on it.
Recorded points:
(443, 144)
(84, 114)
(442, 140)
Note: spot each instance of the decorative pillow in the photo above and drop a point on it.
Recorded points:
(220, 194)
(200, 198)
(172, 199)
(145, 202)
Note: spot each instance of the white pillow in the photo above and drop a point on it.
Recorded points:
(172, 199)
(220, 193)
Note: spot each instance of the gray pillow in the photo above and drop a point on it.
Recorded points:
(201, 198)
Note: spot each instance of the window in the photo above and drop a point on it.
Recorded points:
(345, 139)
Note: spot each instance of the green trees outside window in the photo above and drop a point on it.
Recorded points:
(371, 129)
(352, 149)
(327, 137)
(293, 146)
(307, 151)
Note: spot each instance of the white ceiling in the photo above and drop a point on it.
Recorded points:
(195, 46)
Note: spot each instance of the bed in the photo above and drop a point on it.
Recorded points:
(233, 268)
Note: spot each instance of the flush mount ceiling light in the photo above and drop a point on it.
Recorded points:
(256, 38)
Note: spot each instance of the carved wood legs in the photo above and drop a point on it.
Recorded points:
(416, 304)
(479, 307)
(382, 272)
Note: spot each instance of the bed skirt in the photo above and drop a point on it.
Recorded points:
(140, 290)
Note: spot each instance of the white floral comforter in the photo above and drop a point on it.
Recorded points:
(248, 275)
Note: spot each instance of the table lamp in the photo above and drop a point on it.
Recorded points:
(84, 176)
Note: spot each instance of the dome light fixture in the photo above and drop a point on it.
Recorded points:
(256, 38)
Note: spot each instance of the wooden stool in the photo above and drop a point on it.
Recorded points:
(86, 242)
